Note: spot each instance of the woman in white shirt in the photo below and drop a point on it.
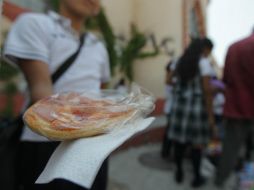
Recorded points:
(39, 44)
(192, 114)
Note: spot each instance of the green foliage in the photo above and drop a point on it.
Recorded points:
(8, 111)
(7, 71)
(101, 22)
(133, 51)
(55, 4)
(129, 52)
(10, 90)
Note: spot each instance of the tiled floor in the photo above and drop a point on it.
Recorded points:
(127, 173)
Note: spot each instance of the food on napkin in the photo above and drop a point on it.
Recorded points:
(72, 115)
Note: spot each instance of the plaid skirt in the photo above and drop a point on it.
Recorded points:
(189, 120)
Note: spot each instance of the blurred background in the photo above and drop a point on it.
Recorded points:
(167, 26)
(141, 36)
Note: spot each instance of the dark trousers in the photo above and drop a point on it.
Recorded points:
(166, 143)
(33, 158)
(249, 146)
(196, 157)
(8, 156)
(236, 134)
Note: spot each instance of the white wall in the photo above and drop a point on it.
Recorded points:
(163, 18)
(120, 14)
(229, 21)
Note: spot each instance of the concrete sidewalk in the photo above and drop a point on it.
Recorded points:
(128, 173)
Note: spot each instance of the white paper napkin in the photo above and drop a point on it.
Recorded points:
(79, 161)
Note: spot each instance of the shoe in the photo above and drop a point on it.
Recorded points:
(198, 182)
(239, 165)
(179, 177)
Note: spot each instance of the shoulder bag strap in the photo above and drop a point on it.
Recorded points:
(68, 62)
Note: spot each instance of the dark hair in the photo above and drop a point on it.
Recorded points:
(188, 64)
(122, 81)
(168, 66)
(207, 43)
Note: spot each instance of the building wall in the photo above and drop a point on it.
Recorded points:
(163, 18)
(120, 14)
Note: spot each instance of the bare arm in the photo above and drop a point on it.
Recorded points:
(169, 76)
(38, 78)
(104, 85)
(208, 99)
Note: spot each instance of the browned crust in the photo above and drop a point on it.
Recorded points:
(42, 127)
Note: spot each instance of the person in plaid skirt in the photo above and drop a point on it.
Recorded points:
(192, 114)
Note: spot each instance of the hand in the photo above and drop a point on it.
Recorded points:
(215, 132)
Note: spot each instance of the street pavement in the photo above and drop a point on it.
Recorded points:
(136, 169)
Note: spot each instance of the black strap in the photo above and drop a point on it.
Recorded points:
(66, 65)
(68, 62)
(12, 134)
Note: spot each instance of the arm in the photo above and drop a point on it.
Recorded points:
(38, 78)
(169, 76)
(226, 72)
(104, 85)
(208, 99)
(105, 70)
(27, 45)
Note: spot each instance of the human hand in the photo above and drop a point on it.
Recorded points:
(214, 132)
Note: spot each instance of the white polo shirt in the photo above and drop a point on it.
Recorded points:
(51, 39)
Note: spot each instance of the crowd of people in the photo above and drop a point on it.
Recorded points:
(201, 108)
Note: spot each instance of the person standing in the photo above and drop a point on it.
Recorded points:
(39, 44)
(192, 112)
(239, 105)
(166, 143)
